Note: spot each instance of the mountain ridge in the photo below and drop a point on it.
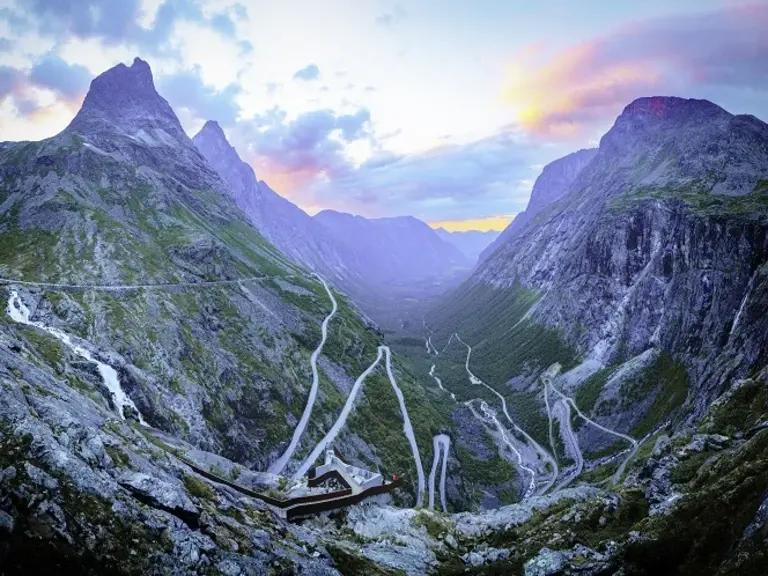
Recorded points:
(636, 296)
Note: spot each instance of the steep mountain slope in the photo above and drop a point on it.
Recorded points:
(551, 185)
(650, 273)
(367, 267)
(130, 267)
(123, 197)
(471, 243)
(402, 248)
(285, 225)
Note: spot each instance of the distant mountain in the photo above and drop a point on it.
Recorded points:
(284, 224)
(553, 182)
(402, 248)
(390, 267)
(470, 242)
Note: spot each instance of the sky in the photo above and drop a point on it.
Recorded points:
(446, 111)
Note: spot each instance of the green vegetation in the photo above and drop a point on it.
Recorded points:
(699, 198)
(701, 533)
(350, 343)
(602, 472)
(47, 346)
(589, 391)
(432, 523)
(687, 470)
(593, 523)
(745, 407)
(198, 488)
(378, 421)
(120, 458)
(667, 380)
(494, 472)
(528, 412)
(504, 345)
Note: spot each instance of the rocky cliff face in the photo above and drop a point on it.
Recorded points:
(660, 243)
(553, 182)
(136, 268)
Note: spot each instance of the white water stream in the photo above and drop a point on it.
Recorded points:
(19, 312)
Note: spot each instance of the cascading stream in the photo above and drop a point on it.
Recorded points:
(19, 313)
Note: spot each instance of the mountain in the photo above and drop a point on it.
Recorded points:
(379, 267)
(285, 225)
(402, 248)
(153, 338)
(625, 316)
(553, 182)
(470, 242)
(648, 276)
(592, 400)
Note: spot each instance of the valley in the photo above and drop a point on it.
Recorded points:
(182, 347)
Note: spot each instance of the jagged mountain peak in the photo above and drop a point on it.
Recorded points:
(212, 137)
(212, 129)
(124, 99)
(213, 144)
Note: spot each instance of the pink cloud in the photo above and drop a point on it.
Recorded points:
(564, 94)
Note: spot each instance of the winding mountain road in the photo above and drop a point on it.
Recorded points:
(440, 383)
(407, 428)
(634, 444)
(543, 453)
(278, 465)
(165, 285)
(428, 340)
(490, 414)
(570, 440)
(340, 421)
(566, 430)
(441, 444)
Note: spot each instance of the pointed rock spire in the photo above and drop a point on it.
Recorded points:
(124, 99)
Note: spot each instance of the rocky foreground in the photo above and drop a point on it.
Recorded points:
(83, 491)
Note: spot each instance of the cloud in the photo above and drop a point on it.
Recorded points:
(389, 19)
(448, 182)
(86, 18)
(11, 81)
(223, 24)
(67, 81)
(311, 143)
(585, 86)
(309, 72)
(186, 90)
(353, 126)
(120, 22)
(308, 160)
